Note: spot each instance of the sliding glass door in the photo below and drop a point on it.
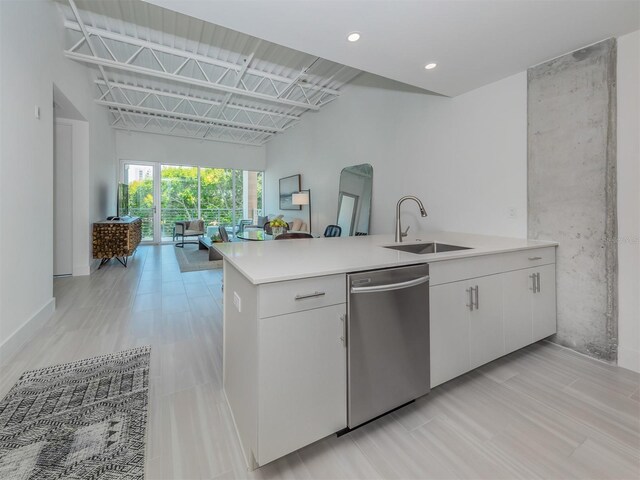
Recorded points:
(164, 194)
(140, 177)
(178, 197)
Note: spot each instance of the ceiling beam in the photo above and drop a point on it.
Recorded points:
(194, 137)
(235, 134)
(85, 35)
(156, 112)
(295, 80)
(185, 80)
(178, 96)
(239, 75)
(188, 55)
(278, 120)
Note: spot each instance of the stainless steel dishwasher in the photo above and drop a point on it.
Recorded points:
(388, 340)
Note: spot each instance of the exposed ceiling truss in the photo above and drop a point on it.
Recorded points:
(130, 98)
(154, 87)
(190, 129)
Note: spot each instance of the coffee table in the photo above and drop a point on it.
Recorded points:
(205, 243)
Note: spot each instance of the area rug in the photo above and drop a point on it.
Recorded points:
(191, 259)
(80, 420)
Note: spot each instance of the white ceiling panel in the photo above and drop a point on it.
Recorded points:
(474, 42)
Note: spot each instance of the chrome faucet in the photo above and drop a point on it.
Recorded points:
(423, 212)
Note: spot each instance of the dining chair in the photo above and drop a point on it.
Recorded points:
(333, 231)
(223, 234)
(292, 235)
(242, 224)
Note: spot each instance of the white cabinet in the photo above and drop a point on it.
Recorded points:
(466, 326)
(449, 331)
(529, 305)
(284, 362)
(486, 337)
(302, 380)
(544, 303)
(476, 320)
(517, 293)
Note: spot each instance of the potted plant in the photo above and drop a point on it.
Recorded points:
(278, 226)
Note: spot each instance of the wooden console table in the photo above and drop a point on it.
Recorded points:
(116, 239)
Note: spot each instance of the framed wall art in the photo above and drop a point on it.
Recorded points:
(289, 186)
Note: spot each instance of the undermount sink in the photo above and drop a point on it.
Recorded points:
(427, 247)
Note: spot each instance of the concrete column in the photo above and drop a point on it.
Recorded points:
(572, 190)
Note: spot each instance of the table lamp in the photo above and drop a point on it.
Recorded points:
(303, 197)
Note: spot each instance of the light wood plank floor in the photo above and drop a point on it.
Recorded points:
(542, 412)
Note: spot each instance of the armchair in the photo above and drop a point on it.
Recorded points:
(188, 228)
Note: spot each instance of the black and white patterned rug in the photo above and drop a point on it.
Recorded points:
(80, 420)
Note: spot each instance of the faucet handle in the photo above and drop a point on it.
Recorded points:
(404, 234)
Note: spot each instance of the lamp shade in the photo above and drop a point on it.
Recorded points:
(300, 198)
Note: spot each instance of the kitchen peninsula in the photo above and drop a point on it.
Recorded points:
(286, 331)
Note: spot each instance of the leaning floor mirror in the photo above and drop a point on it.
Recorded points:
(354, 200)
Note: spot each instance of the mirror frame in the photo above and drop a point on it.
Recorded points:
(355, 220)
(354, 210)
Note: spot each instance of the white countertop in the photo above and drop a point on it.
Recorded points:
(278, 260)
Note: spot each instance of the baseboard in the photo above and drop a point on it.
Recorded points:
(629, 358)
(26, 331)
(79, 271)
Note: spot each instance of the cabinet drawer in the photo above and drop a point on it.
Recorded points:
(298, 295)
(455, 270)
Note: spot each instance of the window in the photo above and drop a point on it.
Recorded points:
(219, 196)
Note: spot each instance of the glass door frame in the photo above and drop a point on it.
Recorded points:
(157, 191)
(156, 194)
(159, 166)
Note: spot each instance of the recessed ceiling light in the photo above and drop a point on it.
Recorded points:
(353, 37)
(429, 66)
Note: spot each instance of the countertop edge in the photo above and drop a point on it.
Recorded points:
(428, 258)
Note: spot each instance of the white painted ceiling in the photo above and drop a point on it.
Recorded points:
(474, 42)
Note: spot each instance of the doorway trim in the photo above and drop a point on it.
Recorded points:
(81, 225)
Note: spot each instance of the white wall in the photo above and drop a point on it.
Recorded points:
(464, 157)
(32, 61)
(628, 83)
(150, 147)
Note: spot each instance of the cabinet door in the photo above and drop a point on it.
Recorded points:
(486, 331)
(517, 299)
(544, 303)
(302, 380)
(449, 331)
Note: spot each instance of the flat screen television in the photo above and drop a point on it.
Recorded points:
(123, 200)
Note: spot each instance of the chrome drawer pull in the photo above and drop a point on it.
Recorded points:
(310, 295)
(477, 297)
(343, 318)
(535, 258)
(470, 304)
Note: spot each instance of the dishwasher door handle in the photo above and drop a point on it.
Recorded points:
(391, 286)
